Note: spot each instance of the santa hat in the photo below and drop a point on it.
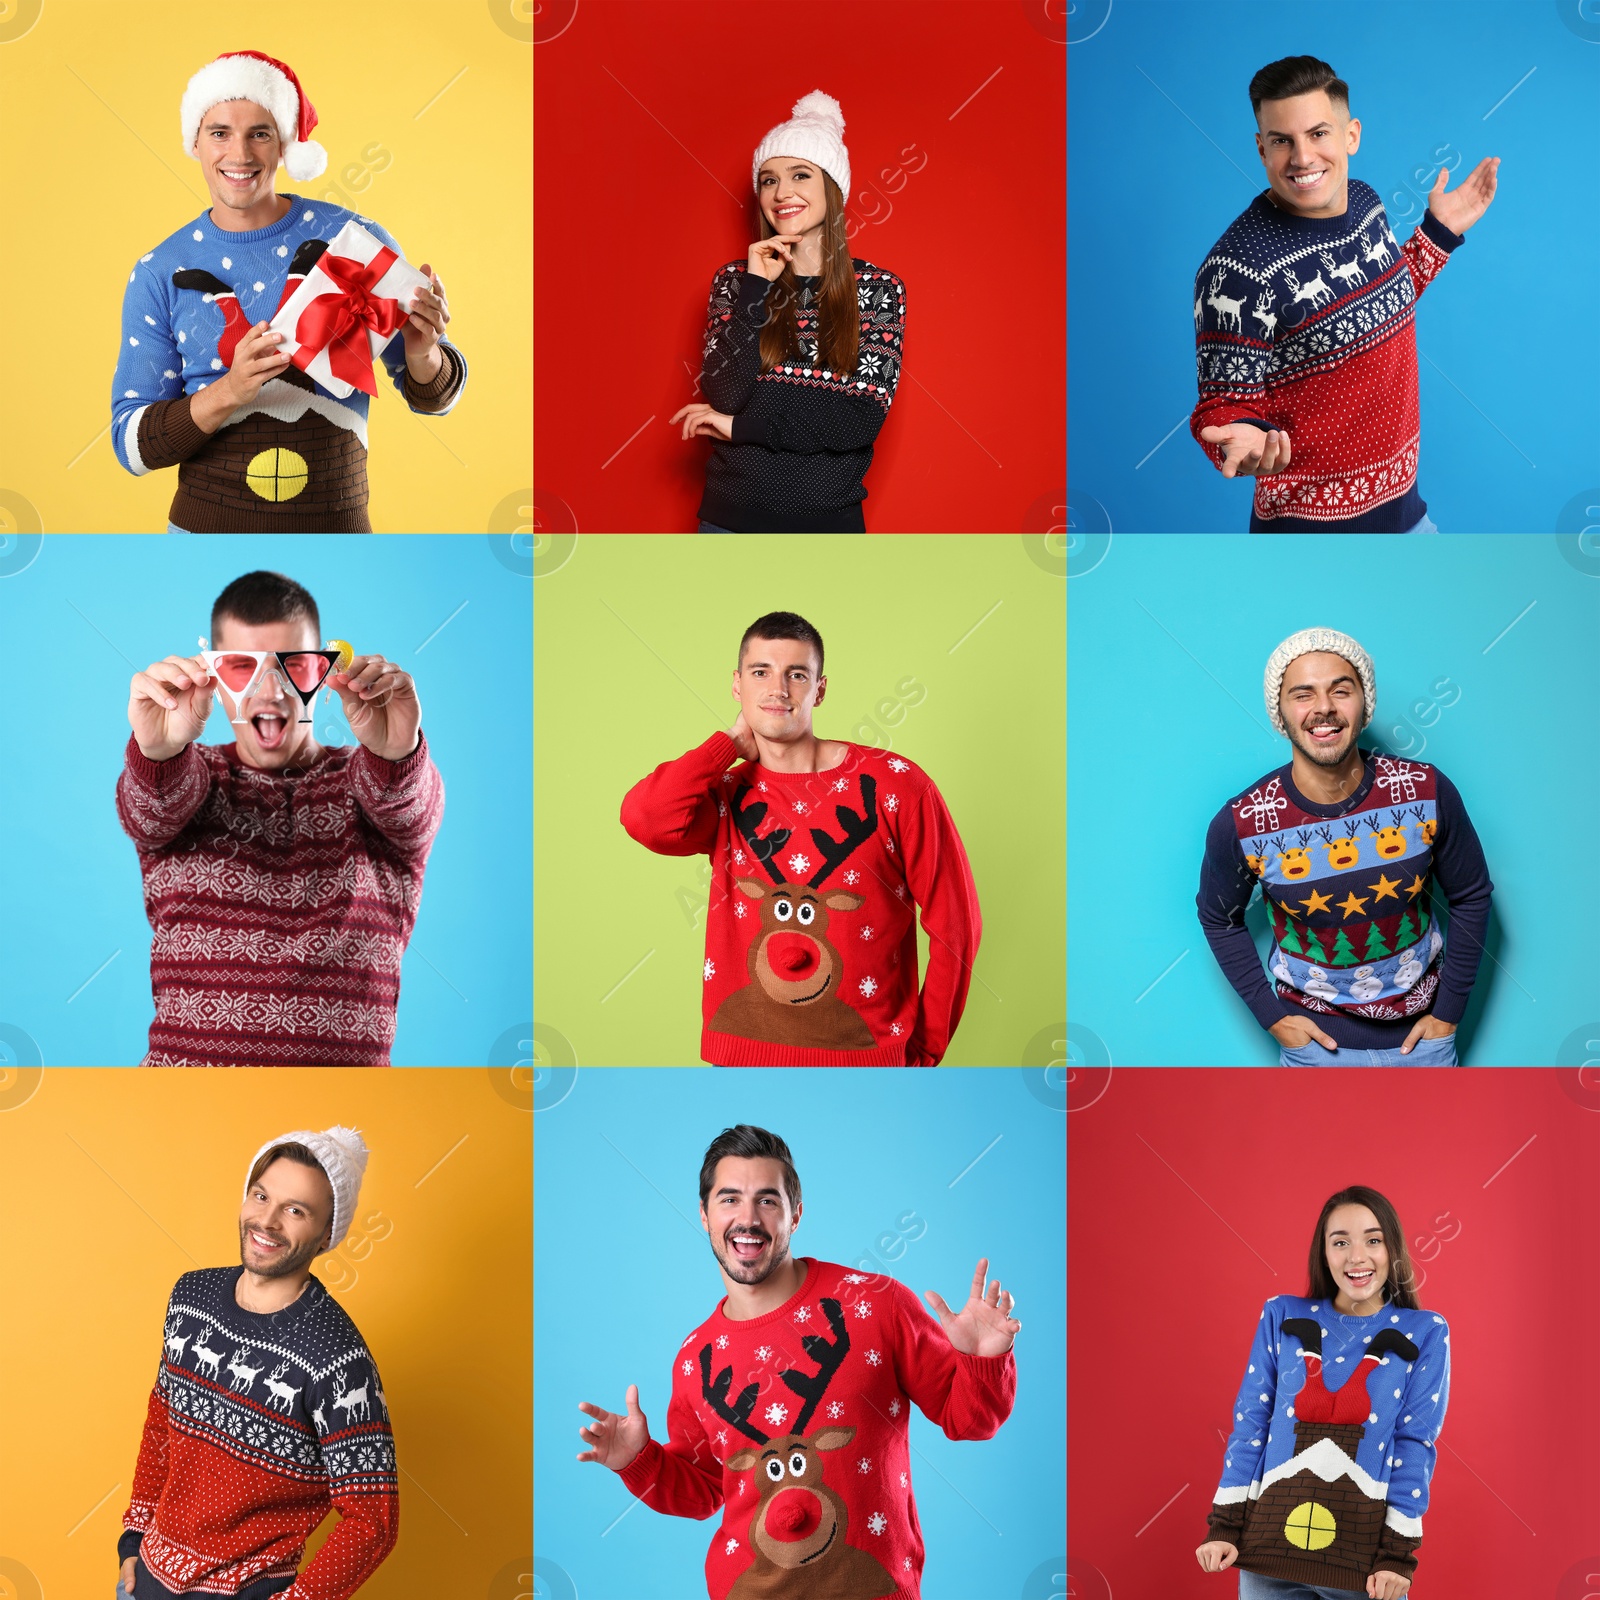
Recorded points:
(816, 133)
(249, 75)
(342, 1154)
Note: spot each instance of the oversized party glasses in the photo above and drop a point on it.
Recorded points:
(240, 672)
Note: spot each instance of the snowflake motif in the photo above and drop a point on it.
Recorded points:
(839, 785)
(835, 1409)
(688, 1367)
(852, 876)
(730, 1547)
(764, 1353)
(722, 1437)
(803, 1314)
(894, 1408)
(900, 890)
(1236, 368)
(874, 1359)
(722, 1342)
(738, 858)
(777, 1415)
(762, 786)
(889, 845)
(869, 987)
(201, 1408)
(366, 1458)
(799, 864)
(905, 1482)
(1344, 330)
(800, 808)
(255, 1434)
(722, 810)
(741, 1486)
(711, 969)
(863, 1309)
(877, 1522)
(866, 933)
(738, 908)
(891, 802)
(894, 1028)
(864, 1464)
(869, 364)
(711, 343)
(855, 1277)
(897, 765)
(1321, 341)
(906, 1563)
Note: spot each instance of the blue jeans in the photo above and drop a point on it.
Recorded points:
(1425, 526)
(172, 527)
(711, 527)
(1424, 1053)
(144, 1586)
(1252, 1586)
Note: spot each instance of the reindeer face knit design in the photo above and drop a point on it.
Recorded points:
(1306, 324)
(811, 947)
(294, 460)
(281, 902)
(258, 1424)
(795, 1423)
(1325, 1478)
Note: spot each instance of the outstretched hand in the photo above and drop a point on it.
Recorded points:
(985, 1326)
(1468, 201)
(614, 1440)
(1249, 451)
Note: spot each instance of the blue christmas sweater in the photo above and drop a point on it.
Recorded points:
(294, 460)
(1325, 1477)
(1347, 890)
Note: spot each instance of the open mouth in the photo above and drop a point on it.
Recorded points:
(1359, 1280)
(238, 179)
(270, 730)
(747, 1246)
(1325, 732)
(265, 1245)
(1305, 182)
(783, 213)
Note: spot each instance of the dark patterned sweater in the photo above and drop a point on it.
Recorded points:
(1325, 1477)
(802, 435)
(1347, 890)
(259, 1424)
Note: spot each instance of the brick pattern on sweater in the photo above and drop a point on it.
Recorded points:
(795, 1424)
(281, 904)
(1307, 324)
(258, 1425)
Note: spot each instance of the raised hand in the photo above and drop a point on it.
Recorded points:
(429, 313)
(380, 704)
(614, 1440)
(168, 704)
(744, 741)
(985, 1326)
(1249, 451)
(700, 420)
(1468, 201)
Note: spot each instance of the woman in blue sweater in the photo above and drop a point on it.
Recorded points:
(802, 348)
(1325, 1478)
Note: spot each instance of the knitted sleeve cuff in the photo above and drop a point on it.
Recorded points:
(433, 396)
(168, 433)
(393, 774)
(160, 775)
(128, 1544)
(1439, 234)
(641, 1472)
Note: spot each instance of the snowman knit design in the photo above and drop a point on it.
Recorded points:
(258, 1425)
(294, 459)
(1347, 890)
(1326, 1474)
(816, 880)
(1307, 324)
(795, 1426)
(802, 434)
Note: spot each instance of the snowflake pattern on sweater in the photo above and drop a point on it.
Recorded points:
(797, 1429)
(1307, 324)
(258, 1425)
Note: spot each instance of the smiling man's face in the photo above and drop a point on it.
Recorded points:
(285, 1218)
(748, 1219)
(239, 137)
(1323, 706)
(274, 737)
(777, 686)
(1305, 144)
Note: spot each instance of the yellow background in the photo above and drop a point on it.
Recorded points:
(93, 175)
(114, 1183)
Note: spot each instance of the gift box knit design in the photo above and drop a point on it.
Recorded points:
(293, 460)
(795, 1425)
(1307, 324)
(281, 903)
(258, 1425)
(811, 940)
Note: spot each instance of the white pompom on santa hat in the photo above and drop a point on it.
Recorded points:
(249, 75)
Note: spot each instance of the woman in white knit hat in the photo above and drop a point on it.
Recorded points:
(802, 347)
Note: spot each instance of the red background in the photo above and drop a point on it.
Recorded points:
(1165, 1300)
(630, 227)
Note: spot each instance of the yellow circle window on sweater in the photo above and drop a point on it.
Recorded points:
(277, 474)
(1311, 1526)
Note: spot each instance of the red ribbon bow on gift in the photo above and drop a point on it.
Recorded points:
(340, 323)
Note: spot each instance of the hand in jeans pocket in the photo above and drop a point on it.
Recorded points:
(1309, 1054)
(1434, 1052)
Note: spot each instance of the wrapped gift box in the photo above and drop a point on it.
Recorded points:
(347, 308)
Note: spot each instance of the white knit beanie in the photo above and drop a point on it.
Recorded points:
(1303, 643)
(342, 1155)
(249, 75)
(816, 133)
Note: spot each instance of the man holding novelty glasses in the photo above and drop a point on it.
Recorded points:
(282, 878)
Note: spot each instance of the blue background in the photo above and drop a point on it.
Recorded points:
(1167, 641)
(622, 1272)
(91, 610)
(1513, 319)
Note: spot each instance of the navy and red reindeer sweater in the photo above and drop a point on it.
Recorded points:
(258, 1425)
(802, 434)
(1348, 891)
(795, 1426)
(1307, 324)
(811, 939)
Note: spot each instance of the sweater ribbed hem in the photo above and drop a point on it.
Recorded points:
(728, 1050)
(738, 518)
(1303, 1569)
(201, 516)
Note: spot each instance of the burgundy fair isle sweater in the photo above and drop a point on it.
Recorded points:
(795, 1424)
(281, 902)
(811, 940)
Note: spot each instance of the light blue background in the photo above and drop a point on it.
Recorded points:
(93, 609)
(622, 1272)
(1513, 320)
(1167, 641)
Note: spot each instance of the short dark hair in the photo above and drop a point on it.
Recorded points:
(289, 1150)
(753, 1144)
(261, 597)
(783, 625)
(1282, 80)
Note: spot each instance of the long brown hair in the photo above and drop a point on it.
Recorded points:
(1400, 1287)
(837, 308)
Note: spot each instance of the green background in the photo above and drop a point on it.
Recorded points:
(948, 648)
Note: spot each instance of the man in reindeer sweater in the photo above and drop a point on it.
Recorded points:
(267, 1410)
(811, 940)
(791, 1402)
(201, 385)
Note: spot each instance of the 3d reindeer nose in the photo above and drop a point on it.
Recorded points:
(794, 1514)
(792, 956)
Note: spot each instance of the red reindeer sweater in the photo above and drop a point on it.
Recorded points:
(281, 902)
(795, 1424)
(811, 942)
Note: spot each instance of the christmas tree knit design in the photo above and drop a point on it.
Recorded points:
(1320, 1500)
